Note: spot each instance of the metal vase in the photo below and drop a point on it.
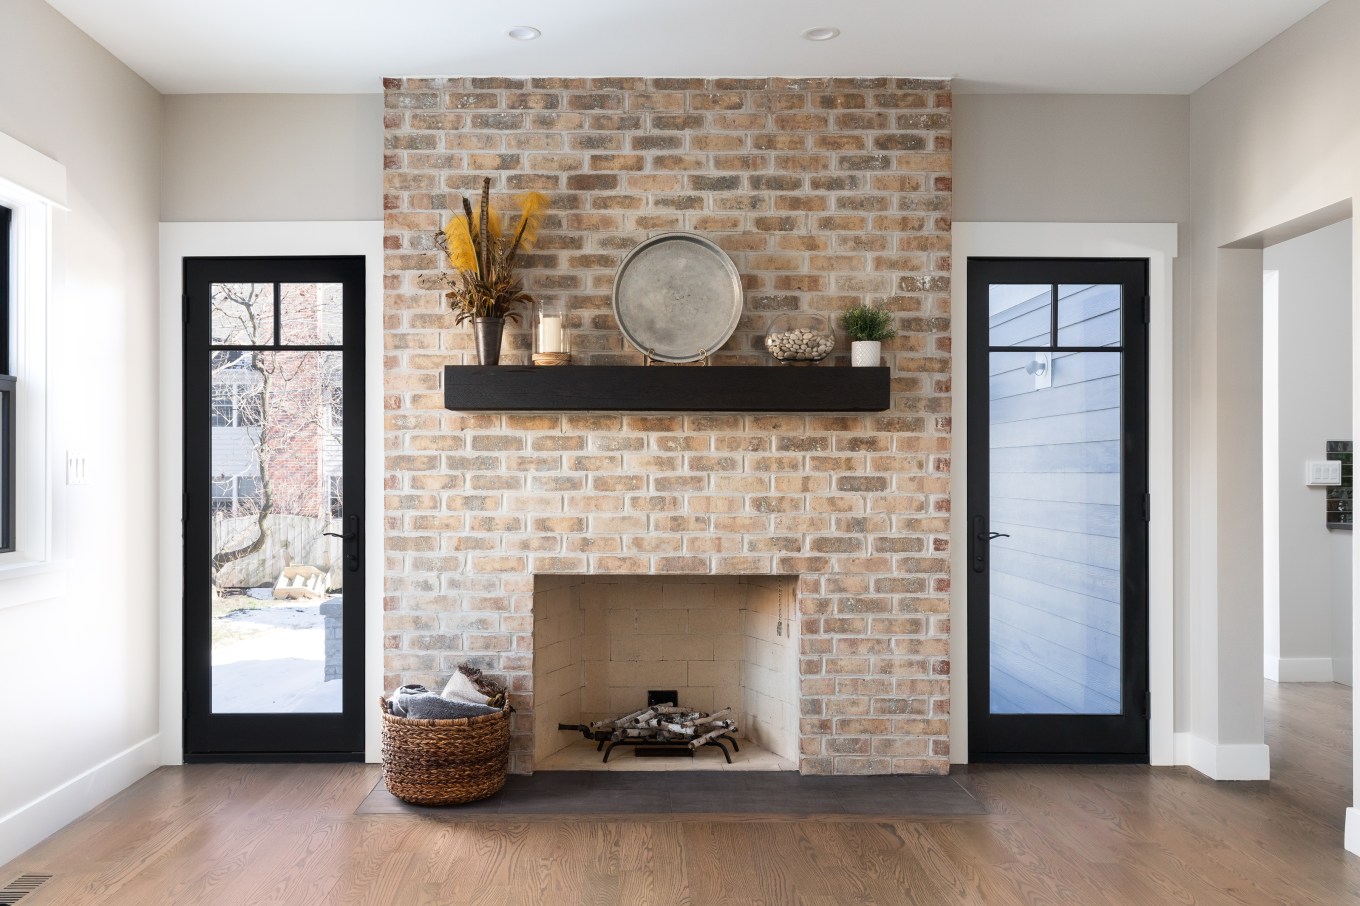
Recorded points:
(488, 332)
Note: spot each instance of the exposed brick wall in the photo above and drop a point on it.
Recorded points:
(826, 193)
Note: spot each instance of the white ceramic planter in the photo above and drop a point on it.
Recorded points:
(866, 353)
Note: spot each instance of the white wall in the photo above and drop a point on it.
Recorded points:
(256, 157)
(79, 672)
(1275, 140)
(1308, 568)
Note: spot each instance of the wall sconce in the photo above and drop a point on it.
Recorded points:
(1042, 370)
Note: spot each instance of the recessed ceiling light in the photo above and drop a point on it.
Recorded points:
(524, 33)
(821, 33)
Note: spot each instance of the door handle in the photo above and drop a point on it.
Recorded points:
(351, 539)
(981, 538)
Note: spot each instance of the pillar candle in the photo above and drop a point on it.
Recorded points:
(550, 334)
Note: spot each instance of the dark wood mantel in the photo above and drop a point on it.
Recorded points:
(635, 388)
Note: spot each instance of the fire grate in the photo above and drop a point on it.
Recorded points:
(21, 887)
(662, 730)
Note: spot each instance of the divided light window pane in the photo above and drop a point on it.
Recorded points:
(312, 314)
(242, 314)
(1019, 314)
(276, 459)
(7, 453)
(1056, 575)
(1088, 314)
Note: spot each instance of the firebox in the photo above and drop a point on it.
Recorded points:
(721, 645)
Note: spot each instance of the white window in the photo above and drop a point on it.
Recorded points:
(9, 386)
(236, 495)
(237, 401)
(335, 495)
(32, 188)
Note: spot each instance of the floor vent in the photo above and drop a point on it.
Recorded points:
(21, 887)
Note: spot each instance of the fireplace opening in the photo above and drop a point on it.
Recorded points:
(605, 648)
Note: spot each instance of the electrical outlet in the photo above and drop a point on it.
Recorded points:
(77, 468)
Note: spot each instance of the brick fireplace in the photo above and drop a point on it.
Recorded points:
(826, 193)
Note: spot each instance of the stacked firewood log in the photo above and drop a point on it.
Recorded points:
(666, 723)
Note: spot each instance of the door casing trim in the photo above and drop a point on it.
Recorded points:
(1157, 242)
(194, 240)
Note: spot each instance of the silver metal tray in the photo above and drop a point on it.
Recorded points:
(677, 297)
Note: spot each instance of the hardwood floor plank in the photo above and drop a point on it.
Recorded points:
(1073, 835)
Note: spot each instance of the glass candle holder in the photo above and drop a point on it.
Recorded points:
(802, 338)
(552, 337)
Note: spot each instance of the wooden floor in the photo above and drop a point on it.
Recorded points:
(250, 835)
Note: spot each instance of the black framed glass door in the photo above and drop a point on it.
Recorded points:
(1058, 508)
(273, 521)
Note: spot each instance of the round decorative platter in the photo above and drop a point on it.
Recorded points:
(677, 297)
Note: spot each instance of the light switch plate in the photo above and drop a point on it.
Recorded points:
(1323, 472)
(77, 468)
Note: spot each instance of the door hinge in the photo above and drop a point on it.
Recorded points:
(183, 507)
(185, 715)
(1147, 309)
(1147, 507)
(1147, 705)
(184, 308)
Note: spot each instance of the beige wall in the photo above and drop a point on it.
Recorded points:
(64, 96)
(249, 157)
(1275, 140)
(1072, 158)
(1088, 159)
(1308, 402)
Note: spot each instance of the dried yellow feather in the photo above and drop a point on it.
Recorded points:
(531, 208)
(462, 252)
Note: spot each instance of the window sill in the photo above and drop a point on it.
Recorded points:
(28, 581)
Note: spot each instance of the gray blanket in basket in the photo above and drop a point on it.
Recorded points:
(419, 703)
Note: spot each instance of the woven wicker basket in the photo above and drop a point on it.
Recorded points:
(445, 762)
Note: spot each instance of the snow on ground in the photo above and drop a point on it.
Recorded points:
(273, 661)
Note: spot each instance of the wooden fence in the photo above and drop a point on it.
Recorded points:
(289, 540)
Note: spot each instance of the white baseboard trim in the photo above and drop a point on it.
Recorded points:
(1180, 748)
(33, 822)
(1353, 830)
(1222, 762)
(1299, 669)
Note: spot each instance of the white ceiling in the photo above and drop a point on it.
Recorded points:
(343, 46)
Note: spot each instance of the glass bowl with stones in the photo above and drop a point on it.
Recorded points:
(800, 339)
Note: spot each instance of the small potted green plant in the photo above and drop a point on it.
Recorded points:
(868, 328)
